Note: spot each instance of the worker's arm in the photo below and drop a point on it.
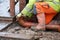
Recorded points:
(25, 23)
(26, 12)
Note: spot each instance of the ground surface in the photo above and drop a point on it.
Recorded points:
(43, 35)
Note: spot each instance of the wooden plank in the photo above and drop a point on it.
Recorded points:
(6, 18)
(18, 36)
(4, 24)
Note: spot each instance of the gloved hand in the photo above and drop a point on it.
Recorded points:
(19, 15)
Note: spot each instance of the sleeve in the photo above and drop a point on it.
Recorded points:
(27, 10)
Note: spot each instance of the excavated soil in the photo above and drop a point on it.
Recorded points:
(41, 35)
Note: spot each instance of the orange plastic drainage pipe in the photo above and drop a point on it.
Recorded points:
(12, 7)
(22, 4)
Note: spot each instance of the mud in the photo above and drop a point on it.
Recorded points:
(41, 35)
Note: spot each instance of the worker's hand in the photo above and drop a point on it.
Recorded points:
(18, 18)
(40, 27)
(19, 15)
